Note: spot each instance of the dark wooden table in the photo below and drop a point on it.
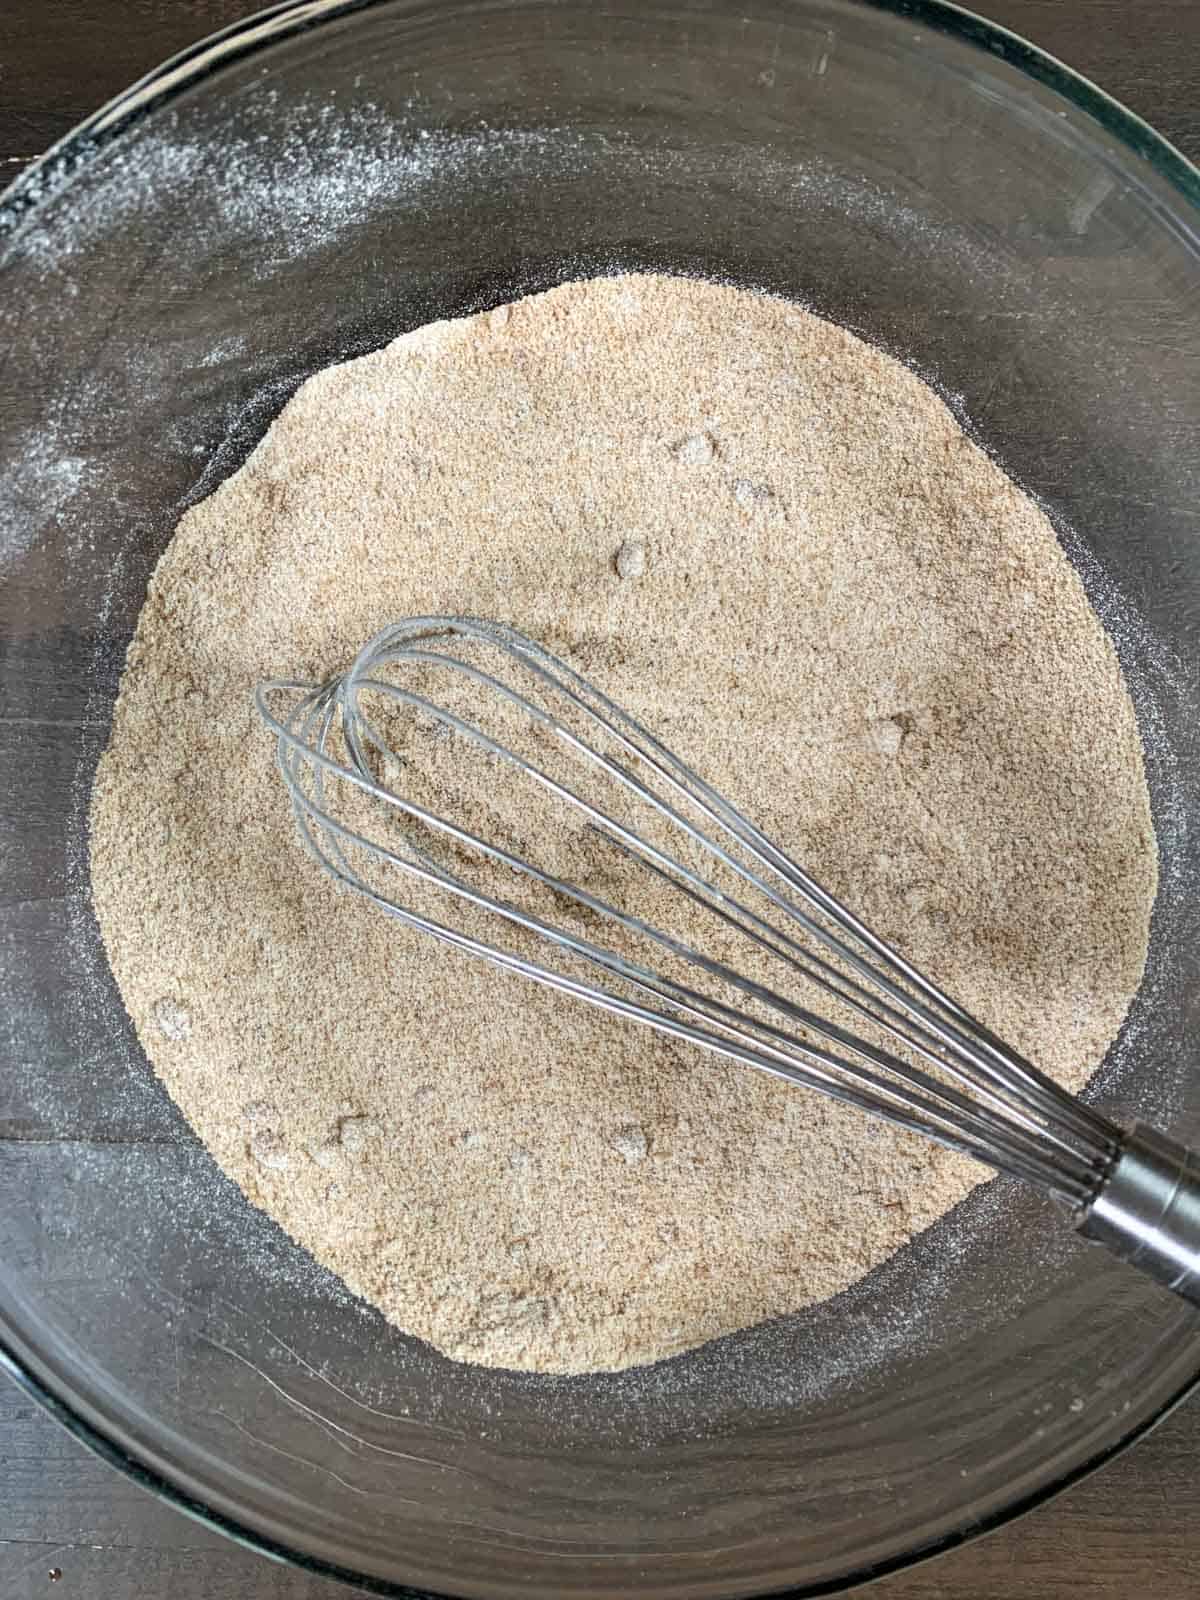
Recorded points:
(70, 1525)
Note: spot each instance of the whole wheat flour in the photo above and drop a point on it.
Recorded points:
(775, 546)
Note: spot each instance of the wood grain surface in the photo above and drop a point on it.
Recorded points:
(72, 1526)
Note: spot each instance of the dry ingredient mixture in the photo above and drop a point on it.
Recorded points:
(776, 546)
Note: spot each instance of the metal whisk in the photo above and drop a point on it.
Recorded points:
(374, 762)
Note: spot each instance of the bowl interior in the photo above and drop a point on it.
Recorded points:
(299, 196)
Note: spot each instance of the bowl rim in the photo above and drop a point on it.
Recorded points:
(50, 174)
(51, 171)
(161, 1487)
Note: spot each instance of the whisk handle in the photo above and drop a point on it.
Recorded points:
(1148, 1210)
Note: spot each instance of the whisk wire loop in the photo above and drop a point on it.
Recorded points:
(978, 1097)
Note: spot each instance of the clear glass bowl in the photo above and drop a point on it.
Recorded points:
(299, 190)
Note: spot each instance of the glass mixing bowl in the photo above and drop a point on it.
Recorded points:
(299, 190)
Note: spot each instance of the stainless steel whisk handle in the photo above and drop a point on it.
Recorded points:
(1148, 1210)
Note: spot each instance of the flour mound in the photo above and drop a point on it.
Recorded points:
(774, 545)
